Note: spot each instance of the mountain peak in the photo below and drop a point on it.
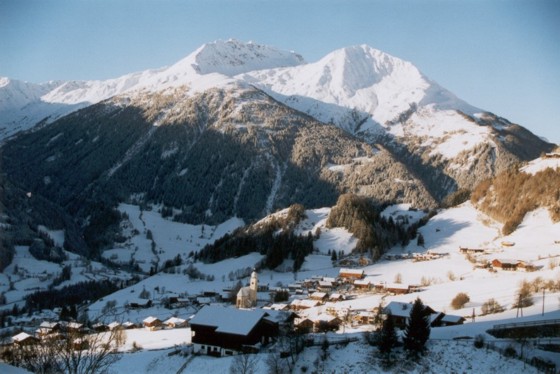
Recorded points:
(233, 57)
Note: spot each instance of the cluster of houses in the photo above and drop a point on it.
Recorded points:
(500, 263)
(415, 256)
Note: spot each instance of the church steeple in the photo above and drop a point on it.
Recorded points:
(253, 284)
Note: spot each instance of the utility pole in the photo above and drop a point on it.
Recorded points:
(543, 302)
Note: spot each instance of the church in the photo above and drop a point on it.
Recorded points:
(247, 296)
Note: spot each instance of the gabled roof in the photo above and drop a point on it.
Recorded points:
(150, 319)
(175, 320)
(22, 336)
(228, 320)
(400, 309)
(449, 318)
(351, 271)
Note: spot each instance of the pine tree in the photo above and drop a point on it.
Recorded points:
(417, 330)
(388, 336)
(333, 256)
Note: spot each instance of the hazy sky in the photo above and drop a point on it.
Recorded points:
(501, 56)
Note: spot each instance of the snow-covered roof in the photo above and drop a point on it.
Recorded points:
(228, 320)
(452, 319)
(318, 295)
(362, 282)
(175, 320)
(398, 309)
(150, 319)
(305, 303)
(244, 291)
(396, 286)
(49, 325)
(113, 325)
(351, 271)
(21, 337)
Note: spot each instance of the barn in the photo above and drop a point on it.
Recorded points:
(220, 331)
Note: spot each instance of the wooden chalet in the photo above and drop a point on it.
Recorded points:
(471, 251)
(115, 326)
(175, 323)
(152, 323)
(326, 322)
(397, 288)
(319, 296)
(303, 325)
(364, 317)
(128, 325)
(350, 274)
(363, 284)
(47, 328)
(512, 265)
(220, 331)
(24, 338)
(300, 304)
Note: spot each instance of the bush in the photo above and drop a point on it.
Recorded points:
(460, 300)
(491, 307)
(479, 341)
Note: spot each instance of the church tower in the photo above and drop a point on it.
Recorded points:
(254, 285)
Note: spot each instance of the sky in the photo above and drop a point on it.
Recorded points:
(501, 56)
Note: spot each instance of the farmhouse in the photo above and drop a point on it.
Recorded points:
(319, 296)
(512, 265)
(451, 320)
(350, 274)
(221, 331)
(152, 323)
(300, 304)
(175, 322)
(363, 284)
(24, 338)
(397, 288)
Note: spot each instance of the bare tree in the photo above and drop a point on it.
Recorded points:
(244, 364)
(72, 352)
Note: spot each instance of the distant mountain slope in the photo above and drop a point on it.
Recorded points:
(511, 195)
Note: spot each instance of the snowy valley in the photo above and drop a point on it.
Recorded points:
(243, 207)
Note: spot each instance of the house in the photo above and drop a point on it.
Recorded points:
(24, 338)
(152, 323)
(303, 325)
(325, 286)
(471, 251)
(362, 284)
(47, 328)
(278, 306)
(350, 274)
(300, 304)
(140, 303)
(325, 322)
(336, 297)
(128, 325)
(175, 322)
(319, 296)
(505, 264)
(364, 317)
(100, 327)
(115, 326)
(400, 312)
(221, 331)
(451, 320)
(397, 288)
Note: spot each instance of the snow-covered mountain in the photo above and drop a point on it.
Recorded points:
(23, 104)
(387, 132)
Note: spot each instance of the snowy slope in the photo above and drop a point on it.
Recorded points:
(551, 160)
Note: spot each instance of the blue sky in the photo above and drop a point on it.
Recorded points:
(502, 56)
